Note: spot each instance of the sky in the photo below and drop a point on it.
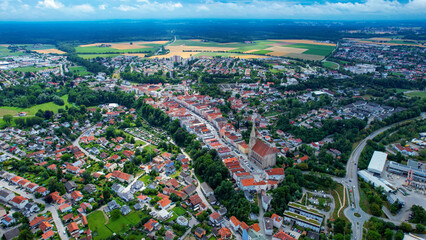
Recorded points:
(71, 10)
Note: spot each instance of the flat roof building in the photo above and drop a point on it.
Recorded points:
(377, 162)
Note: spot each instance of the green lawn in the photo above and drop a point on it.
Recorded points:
(97, 225)
(80, 70)
(134, 217)
(417, 94)
(313, 49)
(31, 111)
(331, 65)
(145, 179)
(179, 211)
(173, 217)
(118, 225)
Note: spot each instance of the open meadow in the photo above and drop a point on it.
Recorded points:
(31, 111)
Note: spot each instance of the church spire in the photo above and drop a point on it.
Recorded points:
(252, 141)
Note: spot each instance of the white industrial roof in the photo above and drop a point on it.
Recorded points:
(377, 182)
(377, 162)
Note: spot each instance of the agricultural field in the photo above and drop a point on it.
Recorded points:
(302, 49)
(50, 50)
(119, 48)
(31, 111)
(90, 56)
(4, 52)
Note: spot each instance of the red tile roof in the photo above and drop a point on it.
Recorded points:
(262, 149)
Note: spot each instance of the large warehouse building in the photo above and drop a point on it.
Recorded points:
(377, 162)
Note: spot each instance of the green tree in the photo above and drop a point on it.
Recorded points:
(406, 227)
(7, 118)
(420, 228)
(115, 214)
(399, 235)
(388, 234)
(26, 234)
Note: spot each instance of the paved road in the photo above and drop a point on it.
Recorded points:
(49, 207)
(351, 180)
(77, 144)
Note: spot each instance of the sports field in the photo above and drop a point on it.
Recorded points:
(303, 49)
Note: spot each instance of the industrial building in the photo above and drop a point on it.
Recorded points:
(417, 174)
(377, 162)
(377, 182)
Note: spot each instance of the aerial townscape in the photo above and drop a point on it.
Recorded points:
(205, 129)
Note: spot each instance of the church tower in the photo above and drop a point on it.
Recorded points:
(252, 141)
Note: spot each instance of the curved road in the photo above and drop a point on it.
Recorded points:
(351, 180)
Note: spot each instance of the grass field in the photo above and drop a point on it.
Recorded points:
(338, 201)
(116, 48)
(179, 211)
(331, 65)
(29, 69)
(80, 70)
(417, 94)
(33, 110)
(118, 225)
(90, 56)
(97, 225)
(4, 51)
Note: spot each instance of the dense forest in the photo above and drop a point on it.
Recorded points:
(218, 30)
(138, 77)
(87, 97)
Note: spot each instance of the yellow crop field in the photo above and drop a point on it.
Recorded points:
(293, 41)
(51, 50)
(135, 54)
(279, 51)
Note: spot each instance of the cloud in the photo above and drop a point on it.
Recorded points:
(50, 4)
(83, 8)
(202, 8)
(125, 8)
(102, 7)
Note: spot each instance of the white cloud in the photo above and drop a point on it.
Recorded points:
(50, 4)
(102, 7)
(202, 8)
(83, 8)
(125, 8)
